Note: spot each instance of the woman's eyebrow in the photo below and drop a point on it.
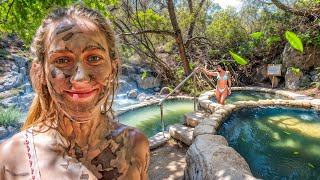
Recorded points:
(60, 51)
(93, 48)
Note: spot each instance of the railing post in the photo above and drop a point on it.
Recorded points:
(194, 91)
(162, 122)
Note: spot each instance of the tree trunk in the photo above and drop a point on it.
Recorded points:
(179, 40)
(193, 22)
(306, 13)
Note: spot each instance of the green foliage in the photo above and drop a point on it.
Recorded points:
(151, 20)
(191, 65)
(256, 35)
(273, 39)
(226, 30)
(294, 40)
(311, 165)
(144, 74)
(170, 89)
(24, 16)
(9, 116)
(295, 70)
(238, 58)
(316, 84)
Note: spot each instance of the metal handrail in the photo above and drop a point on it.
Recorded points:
(182, 82)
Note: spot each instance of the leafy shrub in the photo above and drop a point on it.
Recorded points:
(9, 116)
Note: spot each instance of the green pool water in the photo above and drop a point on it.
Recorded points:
(277, 142)
(249, 95)
(147, 119)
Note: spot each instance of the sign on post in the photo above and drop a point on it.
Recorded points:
(274, 70)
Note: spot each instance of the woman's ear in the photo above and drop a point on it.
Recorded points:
(115, 65)
(39, 73)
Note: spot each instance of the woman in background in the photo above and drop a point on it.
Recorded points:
(223, 82)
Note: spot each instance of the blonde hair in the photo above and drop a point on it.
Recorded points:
(43, 105)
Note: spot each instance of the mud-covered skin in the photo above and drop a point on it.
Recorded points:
(81, 142)
(77, 52)
(123, 153)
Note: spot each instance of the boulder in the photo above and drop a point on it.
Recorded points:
(3, 132)
(181, 133)
(148, 82)
(203, 129)
(210, 157)
(302, 60)
(305, 81)
(260, 74)
(292, 79)
(126, 84)
(141, 97)
(133, 93)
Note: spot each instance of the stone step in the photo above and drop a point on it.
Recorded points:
(158, 140)
(194, 118)
(181, 133)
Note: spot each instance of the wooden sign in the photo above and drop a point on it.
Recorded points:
(274, 69)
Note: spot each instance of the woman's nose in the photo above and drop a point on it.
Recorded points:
(80, 74)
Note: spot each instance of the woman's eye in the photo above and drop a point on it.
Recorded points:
(94, 58)
(62, 60)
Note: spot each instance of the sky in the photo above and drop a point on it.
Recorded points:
(225, 3)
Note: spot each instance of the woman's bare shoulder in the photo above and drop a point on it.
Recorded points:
(13, 146)
(13, 152)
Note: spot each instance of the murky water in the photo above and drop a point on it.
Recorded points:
(277, 142)
(249, 95)
(148, 119)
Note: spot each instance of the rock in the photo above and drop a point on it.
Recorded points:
(3, 132)
(133, 93)
(11, 101)
(193, 118)
(313, 73)
(315, 78)
(203, 129)
(260, 74)
(126, 84)
(292, 79)
(148, 82)
(156, 89)
(141, 97)
(304, 61)
(25, 101)
(209, 157)
(20, 61)
(305, 81)
(128, 70)
(181, 133)
(158, 140)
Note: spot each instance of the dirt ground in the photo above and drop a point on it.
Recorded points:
(313, 92)
(168, 162)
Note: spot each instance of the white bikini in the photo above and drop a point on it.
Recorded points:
(32, 155)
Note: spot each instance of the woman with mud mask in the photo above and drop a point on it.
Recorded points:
(70, 132)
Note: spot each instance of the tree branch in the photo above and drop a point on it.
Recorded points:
(305, 13)
(10, 6)
(149, 31)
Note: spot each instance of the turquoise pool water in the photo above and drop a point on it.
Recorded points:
(249, 95)
(148, 119)
(277, 142)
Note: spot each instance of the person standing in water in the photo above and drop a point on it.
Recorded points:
(223, 82)
(70, 132)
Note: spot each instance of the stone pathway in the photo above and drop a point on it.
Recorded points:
(168, 161)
